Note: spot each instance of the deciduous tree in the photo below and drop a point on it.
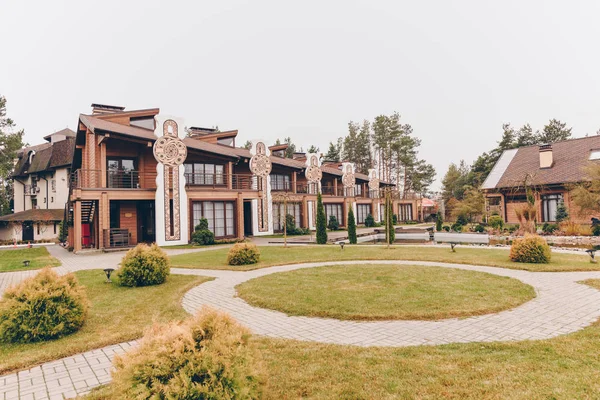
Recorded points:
(10, 142)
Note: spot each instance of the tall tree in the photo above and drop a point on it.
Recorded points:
(349, 151)
(247, 145)
(321, 221)
(313, 149)
(10, 143)
(351, 226)
(363, 157)
(291, 149)
(455, 180)
(334, 152)
(554, 131)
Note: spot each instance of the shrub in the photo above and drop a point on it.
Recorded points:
(63, 231)
(394, 219)
(479, 228)
(462, 219)
(530, 249)
(243, 254)
(512, 228)
(562, 213)
(369, 221)
(549, 228)
(202, 235)
(321, 221)
(291, 228)
(351, 227)
(439, 221)
(596, 230)
(208, 356)
(457, 227)
(43, 307)
(571, 228)
(446, 228)
(333, 224)
(496, 222)
(144, 266)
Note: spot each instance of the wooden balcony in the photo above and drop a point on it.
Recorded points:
(222, 181)
(94, 179)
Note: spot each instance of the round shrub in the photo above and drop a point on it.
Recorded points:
(203, 237)
(333, 224)
(369, 221)
(456, 227)
(43, 307)
(208, 356)
(496, 222)
(530, 249)
(479, 228)
(144, 266)
(243, 254)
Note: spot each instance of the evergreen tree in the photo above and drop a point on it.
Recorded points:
(313, 149)
(334, 152)
(561, 211)
(321, 221)
(247, 145)
(554, 131)
(10, 143)
(351, 226)
(439, 222)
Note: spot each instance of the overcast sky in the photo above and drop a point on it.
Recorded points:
(454, 70)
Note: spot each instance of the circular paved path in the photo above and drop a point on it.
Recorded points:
(562, 306)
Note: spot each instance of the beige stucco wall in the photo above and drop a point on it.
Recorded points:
(46, 232)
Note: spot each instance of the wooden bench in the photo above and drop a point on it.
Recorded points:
(454, 238)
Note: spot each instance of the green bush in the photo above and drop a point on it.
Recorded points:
(333, 224)
(43, 307)
(512, 228)
(352, 239)
(446, 228)
(530, 249)
(63, 231)
(457, 227)
(291, 228)
(496, 222)
(479, 228)
(369, 221)
(549, 228)
(209, 356)
(321, 221)
(462, 219)
(394, 219)
(144, 266)
(202, 236)
(596, 230)
(243, 254)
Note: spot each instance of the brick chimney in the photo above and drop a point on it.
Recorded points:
(105, 109)
(546, 157)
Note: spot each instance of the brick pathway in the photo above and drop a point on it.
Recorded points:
(561, 306)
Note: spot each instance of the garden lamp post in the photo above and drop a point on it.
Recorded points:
(108, 272)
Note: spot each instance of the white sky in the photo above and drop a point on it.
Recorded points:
(455, 70)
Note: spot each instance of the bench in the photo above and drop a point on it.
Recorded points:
(455, 238)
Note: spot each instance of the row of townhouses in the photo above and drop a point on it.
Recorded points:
(125, 177)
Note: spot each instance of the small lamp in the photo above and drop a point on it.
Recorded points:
(108, 272)
(342, 245)
(26, 263)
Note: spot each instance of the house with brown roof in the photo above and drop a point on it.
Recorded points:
(40, 189)
(548, 170)
(141, 176)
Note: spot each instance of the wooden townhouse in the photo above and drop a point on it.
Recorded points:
(139, 176)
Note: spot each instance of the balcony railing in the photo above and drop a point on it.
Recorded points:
(221, 181)
(331, 191)
(92, 179)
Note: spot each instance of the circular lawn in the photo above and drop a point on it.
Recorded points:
(385, 292)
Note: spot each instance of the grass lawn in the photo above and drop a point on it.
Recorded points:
(566, 367)
(382, 292)
(12, 260)
(117, 314)
(278, 255)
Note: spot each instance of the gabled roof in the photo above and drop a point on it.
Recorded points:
(47, 156)
(39, 214)
(570, 158)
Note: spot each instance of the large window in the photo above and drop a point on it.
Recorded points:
(336, 210)
(362, 210)
(293, 209)
(549, 206)
(219, 214)
(280, 182)
(405, 212)
(204, 174)
(122, 174)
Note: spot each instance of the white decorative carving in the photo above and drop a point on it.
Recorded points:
(260, 166)
(348, 179)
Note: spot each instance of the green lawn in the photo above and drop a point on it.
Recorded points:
(117, 314)
(382, 292)
(278, 255)
(12, 260)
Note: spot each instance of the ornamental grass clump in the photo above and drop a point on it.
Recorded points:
(144, 266)
(243, 254)
(530, 249)
(208, 356)
(44, 307)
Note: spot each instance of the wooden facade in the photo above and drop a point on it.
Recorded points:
(113, 185)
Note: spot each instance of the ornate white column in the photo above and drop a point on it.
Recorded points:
(313, 175)
(374, 192)
(260, 166)
(170, 152)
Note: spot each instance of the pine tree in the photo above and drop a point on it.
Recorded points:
(390, 233)
(439, 222)
(561, 212)
(351, 226)
(333, 153)
(10, 143)
(321, 222)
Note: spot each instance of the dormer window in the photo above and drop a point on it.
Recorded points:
(595, 154)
